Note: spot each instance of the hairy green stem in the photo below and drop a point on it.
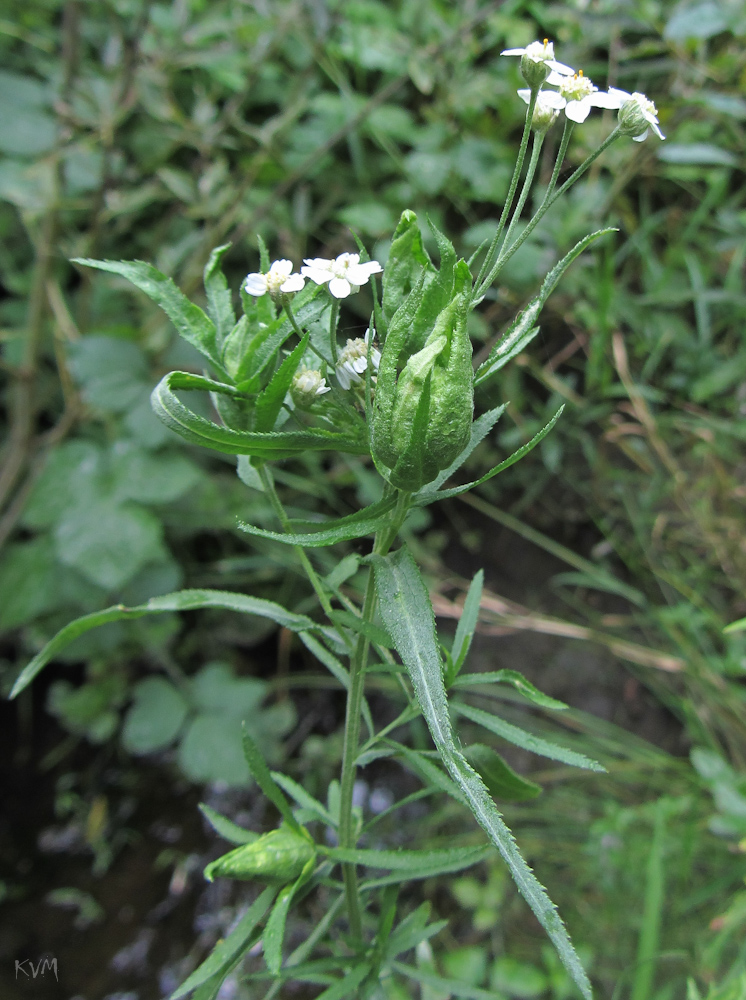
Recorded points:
(333, 330)
(269, 489)
(383, 541)
(550, 199)
(491, 253)
(296, 326)
(527, 182)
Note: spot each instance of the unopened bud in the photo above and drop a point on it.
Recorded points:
(306, 387)
(278, 856)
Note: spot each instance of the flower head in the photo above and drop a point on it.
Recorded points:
(279, 278)
(577, 95)
(307, 384)
(545, 112)
(538, 62)
(345, 274)
(353, 359)
(637, 115)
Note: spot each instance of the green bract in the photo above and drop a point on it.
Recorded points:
(423, 410)
(279, 856)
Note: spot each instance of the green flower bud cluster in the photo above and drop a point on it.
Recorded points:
(424, 396)
(279, 856)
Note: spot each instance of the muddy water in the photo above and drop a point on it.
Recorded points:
(134, 928)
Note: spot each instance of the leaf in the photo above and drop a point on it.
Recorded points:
(427, 498)
(700, 154)
(263, 778)
(228, 951)
(467, 623)
(219, 299)
(480, 428)
(450, 860)
(412, 929)
(274, 931)
(155, 718)
(211, 751)
(344, 529)
(523, 330)
(198, 430)
(349, 984)
(501, 780)
(516, 680)
(408, 614)
(181, 600)
(191, 322)
(527, 741)
(227, 829)
(269, 403)
(373, 632)
(108, 542)
(448, 987)
(303, 798)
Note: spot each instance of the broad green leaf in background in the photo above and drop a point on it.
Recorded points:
(155, 718)
(219, 296)
(408, 615)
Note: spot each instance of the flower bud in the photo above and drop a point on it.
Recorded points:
(306, 387)
(544, 116)
(534, 71)
(637, 115)
(278, 856)
(422, 417)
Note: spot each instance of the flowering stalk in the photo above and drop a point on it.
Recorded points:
(527, 182)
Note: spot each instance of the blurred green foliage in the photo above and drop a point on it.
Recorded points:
(158, 130)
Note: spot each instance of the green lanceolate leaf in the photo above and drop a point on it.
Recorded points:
(228, 951)
(406, 260)
(501, 780)
(371, 631)
(269, 446)
(523, 329)
(227, 829)
(219, 298)
(408, 615)
(302, 797)
(480, 428)
(426, 498)
(362, 522)
(516, 680)
(455, 859)
(263, 777)
(527, 741)
(191, 322)
(467, 623)
(269, 403)
(181, 600)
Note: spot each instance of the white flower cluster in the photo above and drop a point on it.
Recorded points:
(353, 359)
(345, 275)
(576, 94)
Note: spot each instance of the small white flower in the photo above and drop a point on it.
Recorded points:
(637, 115)
(577, 95)
(278, 279)
(545, 110)
(541, 52)
(307, 384)
(353, 359)
(345, 274)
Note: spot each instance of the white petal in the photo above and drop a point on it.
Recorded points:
(602, 100)
(343, 377)
(340, 288)
(621, 94)
(554, 79)
(551, 99)
(358, 274)
(525, 95)
(294, 284)
(317, 274)
(359, 364)
(641, 138)
(578, 111)
(657, 131)
(559, 67)
(513, 52)
(375, 357)
(322, 389)
(318, 262)
(255, 284)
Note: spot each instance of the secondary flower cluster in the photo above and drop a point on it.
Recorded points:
(576, 94)
(344, 275)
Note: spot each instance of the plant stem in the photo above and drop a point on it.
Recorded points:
(383, 541)
(489, 259)
(528, 180)
(550, 199)
(333, 330)
(269, 489)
